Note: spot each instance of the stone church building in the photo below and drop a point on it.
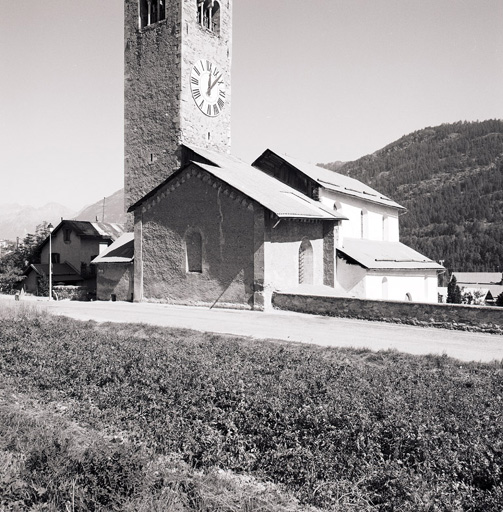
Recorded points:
(212, 230)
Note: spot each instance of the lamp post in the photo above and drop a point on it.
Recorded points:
(50, 227)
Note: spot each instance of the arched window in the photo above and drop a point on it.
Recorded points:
(194, 251)
(306, 262)
(208, 15)
(364, 223)
(385, 228)
(385, 288)
(152, 11)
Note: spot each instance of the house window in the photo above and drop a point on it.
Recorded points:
(67, 235)
(208, 15)
(55, 258)
(152, 11)
(194, 252)
(306, 262)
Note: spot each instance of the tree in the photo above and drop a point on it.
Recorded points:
(453, 292)
(13, 263)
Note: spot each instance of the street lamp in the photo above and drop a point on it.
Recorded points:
(50, 227)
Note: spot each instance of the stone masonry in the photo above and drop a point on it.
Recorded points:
(160, 113)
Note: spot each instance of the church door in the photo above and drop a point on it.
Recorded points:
(306, 262)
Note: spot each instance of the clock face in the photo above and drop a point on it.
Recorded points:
(208, 87)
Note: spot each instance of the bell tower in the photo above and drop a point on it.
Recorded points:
(177, 86)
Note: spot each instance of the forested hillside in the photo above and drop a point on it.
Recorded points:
(450, 179)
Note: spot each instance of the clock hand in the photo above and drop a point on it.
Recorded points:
(214, 83)
(209, 83)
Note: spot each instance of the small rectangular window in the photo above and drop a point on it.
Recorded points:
(55, 257)
(194, 252)
(67, 235)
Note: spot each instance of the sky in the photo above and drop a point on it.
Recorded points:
(320, 80)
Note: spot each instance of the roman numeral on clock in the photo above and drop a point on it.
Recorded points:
(196, 93)
(221, 103)
(194, 81)
(215, 110)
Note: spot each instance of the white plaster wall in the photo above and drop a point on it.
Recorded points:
(351, 278)
(393, 229)
(422, 288)
(352, 207)
(375, 226)
(281, 261)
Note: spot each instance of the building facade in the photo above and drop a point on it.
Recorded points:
(209, 229)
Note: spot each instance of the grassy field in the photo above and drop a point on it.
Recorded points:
(132, 417)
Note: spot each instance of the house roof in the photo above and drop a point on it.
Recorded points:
(60, 271)
(90, 230)
(467, 278)
(331, 180)
(386, 255)
(121, 251)
(274, 195)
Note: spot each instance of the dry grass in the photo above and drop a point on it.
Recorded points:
(21, 310)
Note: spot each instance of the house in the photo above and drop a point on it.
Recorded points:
(74, 244)
(62, 274)
(482, 287)
(114, 276)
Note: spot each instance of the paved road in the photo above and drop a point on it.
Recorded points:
(296, 327)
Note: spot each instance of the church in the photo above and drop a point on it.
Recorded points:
(209, 229)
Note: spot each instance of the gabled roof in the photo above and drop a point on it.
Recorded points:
(269, 192)
(90, 230)
(60, 271)
(386, 255)
(331, 180)
(121, 251)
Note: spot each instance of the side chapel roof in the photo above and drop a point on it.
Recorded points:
(386, 255)
(121, 251)
(274, 195)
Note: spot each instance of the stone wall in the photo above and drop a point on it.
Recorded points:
(70, 292)
(159, 112)
(114, 281)
(451, 316)
(152, 85)
(196, 202)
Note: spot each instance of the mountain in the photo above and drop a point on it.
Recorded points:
(450, 179)
(109, 209)
(18, 220)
